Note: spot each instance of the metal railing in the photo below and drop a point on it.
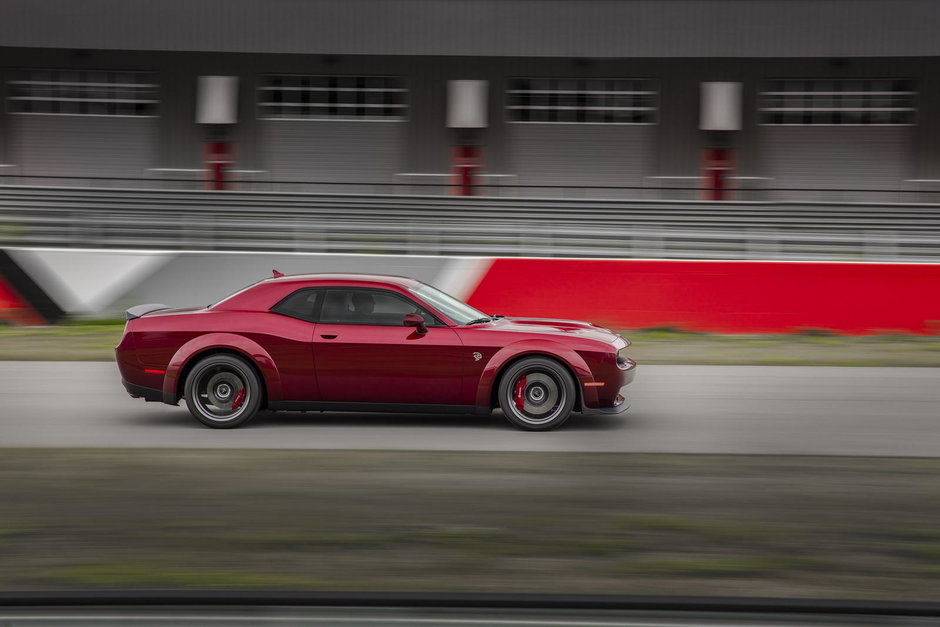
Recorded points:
(421, 224)
(741, 188)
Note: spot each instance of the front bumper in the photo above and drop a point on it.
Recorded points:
(616, 409)
(611, 397)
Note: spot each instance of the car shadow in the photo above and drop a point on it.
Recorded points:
(181, 418)
(495, 421)
(270, 419)
(579, 422)
(160, 416)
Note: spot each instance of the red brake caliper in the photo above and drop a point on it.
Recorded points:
(519, 398)
(239, 399)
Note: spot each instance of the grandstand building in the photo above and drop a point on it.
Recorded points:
(643, 98)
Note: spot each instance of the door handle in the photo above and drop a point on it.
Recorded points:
(328, 336)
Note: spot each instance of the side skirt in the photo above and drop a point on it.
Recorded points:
(401, 408)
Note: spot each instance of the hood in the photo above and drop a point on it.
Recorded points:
(554, 326)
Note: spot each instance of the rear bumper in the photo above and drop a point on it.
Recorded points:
(138, 391)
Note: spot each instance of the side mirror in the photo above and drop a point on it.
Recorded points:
(415, 320)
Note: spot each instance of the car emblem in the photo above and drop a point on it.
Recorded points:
(477, 356)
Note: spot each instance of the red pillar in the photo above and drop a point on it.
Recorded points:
(717, 166)
(218, 156)
(465, 162)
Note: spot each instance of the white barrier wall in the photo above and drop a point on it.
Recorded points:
(740, 297)
(103, 283)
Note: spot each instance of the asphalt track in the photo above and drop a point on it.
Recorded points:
(675, 409)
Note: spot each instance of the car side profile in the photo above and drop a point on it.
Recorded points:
(348, 342)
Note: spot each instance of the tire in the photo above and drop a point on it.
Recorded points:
(537, 394)
(213, 388)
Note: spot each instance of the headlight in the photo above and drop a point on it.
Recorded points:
(624, 362)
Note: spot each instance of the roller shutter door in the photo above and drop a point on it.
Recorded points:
(836, 157)
(47, 145)
(582, 154)
(350, 152)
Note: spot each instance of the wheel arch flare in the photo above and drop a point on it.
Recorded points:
(231, 343)
(506, 356)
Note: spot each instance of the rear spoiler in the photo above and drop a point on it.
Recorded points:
(142, 310)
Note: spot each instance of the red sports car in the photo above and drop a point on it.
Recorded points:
(351, 342)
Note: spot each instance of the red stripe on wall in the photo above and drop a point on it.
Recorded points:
(14, 310)
(718, 297)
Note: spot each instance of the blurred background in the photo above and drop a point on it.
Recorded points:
(141, 143)
(749, 188)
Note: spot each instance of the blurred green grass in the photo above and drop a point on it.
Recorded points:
(837, 527)
(95, 340)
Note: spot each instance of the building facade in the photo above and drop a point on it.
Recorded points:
(580, 97)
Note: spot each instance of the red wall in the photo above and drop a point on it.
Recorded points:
(718, 296)
(14, 310)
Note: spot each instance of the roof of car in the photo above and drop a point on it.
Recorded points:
(352, 277)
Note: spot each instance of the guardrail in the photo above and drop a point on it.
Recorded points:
(742, 188)
(419, 224)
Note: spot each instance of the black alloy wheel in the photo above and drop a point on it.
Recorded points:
(537, 394)
(223, 391)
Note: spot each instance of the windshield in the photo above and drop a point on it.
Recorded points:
(458, 311)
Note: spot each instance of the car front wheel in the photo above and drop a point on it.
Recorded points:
(223, 391)
(537, 394)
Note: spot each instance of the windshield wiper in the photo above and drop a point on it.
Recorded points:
(479, 320)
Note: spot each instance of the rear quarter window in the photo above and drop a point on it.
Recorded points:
(303, 304)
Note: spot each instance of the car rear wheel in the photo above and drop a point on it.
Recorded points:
(223, 391)
(537, 394)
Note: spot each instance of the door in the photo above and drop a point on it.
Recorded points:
(334, 151)
(583, 154)
(364, 354)
(83, 145)
(836, 157)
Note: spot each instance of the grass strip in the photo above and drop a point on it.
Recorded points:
(470, 522)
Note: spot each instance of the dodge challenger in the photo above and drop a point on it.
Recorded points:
(357, 342)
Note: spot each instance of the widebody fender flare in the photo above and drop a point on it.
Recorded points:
(547, 348)
(229, 341)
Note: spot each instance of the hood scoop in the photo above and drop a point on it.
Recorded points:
(557, 323)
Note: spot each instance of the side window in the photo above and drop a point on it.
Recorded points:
(303, 304)
(375, 307)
